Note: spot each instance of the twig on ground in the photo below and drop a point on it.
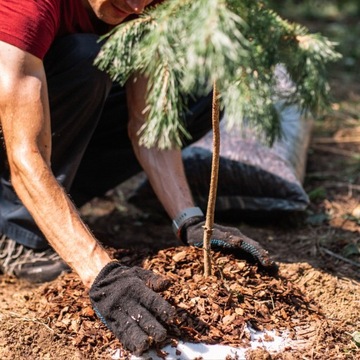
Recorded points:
(335, 151)
(341, 184)
(20, 317)
(340, 257)
(322, 174)
(332, 140)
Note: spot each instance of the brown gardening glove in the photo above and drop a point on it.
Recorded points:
(126, 302)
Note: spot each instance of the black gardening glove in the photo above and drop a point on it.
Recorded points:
(228, 238)
(126, 302)
(189, 227)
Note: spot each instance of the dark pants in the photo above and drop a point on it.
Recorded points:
(91, 150)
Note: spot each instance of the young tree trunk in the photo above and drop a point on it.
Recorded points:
(210, 212)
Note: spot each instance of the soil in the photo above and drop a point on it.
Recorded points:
(315, 297)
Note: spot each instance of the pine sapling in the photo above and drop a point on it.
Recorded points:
(186, 48)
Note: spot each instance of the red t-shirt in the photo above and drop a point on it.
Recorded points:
(32, 25)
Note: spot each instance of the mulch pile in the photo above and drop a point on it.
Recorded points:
(217, 309)
(213, 310)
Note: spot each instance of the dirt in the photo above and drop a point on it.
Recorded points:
(315, 297)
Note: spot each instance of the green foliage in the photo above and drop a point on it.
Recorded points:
(337, 19)
(184, 46)
(317, 9)
(350, 249)
(317, 194)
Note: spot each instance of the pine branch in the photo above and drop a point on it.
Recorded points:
(118, 56)
(182, 46)
(214, 50)
(165, 110)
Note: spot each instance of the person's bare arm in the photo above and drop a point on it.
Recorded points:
(164, 168)
(25, 122)
(166, 174)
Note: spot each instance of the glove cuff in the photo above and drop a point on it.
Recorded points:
(187, 217)
(106, 270)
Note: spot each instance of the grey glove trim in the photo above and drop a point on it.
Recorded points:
(183, 216)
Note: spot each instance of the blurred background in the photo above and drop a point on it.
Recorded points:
(339, 20)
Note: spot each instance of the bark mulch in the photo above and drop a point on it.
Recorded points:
(213, 310)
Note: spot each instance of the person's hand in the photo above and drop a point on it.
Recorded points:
(230, 238)
(125, 300)
(189, 225)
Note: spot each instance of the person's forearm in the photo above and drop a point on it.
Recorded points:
(164, 168)
(25, 122)
(59, 221)
(165, 171)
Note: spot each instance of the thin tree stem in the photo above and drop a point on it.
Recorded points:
(210, 213)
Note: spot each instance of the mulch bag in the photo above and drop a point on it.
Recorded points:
(252, 176)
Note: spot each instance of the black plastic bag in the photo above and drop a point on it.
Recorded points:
(252, 176)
